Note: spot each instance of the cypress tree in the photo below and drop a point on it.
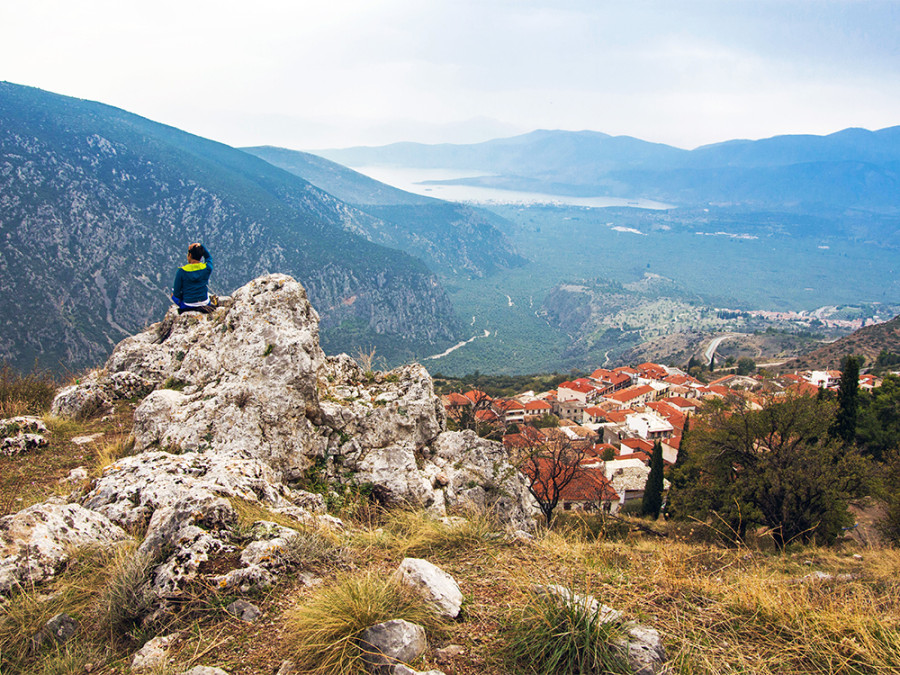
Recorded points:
(844, 427)
(682, 456)
(652, 502)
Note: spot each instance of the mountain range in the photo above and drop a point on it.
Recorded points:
(98, 205)
(853, 168)
(452, 238)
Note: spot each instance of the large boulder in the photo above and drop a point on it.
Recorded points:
(36, 541)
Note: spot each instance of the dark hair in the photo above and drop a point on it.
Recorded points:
(195, 251)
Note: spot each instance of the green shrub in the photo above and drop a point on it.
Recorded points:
(551, 636)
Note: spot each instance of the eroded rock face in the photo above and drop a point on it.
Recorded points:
(36, 541)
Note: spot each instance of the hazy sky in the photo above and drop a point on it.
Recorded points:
(335, 73)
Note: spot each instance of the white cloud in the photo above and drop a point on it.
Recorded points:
(308, 74)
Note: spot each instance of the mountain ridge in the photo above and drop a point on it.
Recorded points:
(451, 238)
(98, 206)
(851, 168)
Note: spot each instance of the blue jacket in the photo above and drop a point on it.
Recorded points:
(191, 281)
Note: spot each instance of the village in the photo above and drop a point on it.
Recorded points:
(588, 443)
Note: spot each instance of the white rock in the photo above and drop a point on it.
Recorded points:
(394, 641)
(89, 438)
(437, 587)
(153, 655)
(588, 603)
(36, 541)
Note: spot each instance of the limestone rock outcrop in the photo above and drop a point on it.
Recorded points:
(36, 541)
(21, 434)
(239, 407)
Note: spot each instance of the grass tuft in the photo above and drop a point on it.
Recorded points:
(313, 550)
(550, 636)
(326, 629)
(116, 449)
(126, 597)
(418, 534)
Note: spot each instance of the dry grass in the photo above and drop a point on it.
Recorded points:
(29, 394)
(326, 629)
(75, 592)
(112, 450)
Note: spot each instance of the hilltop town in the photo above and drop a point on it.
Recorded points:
(611, 419)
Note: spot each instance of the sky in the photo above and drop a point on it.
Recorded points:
(339, 73)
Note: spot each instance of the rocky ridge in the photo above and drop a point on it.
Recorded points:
(243, 405)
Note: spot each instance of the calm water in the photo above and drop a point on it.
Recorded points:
(411, 181)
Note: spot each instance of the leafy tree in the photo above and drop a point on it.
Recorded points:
(745, 365)
(778, 467)
(607, 454)
(878, 422)
(653, 490)
(546, 422)
(844, 427)
(885, 361)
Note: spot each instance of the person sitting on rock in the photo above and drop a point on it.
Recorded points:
(191, 290)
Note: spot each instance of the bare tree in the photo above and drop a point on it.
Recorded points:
(550, 465)
(476, 416)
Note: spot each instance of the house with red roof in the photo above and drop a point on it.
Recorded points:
(477, 397)
(683, 405)
(536, 409)
(632, 445)
(652, 371)
(509, 410)
(576, 391)
(587, 491)
(649, 426)
(610, 380)
(868, 382)
(637, 395)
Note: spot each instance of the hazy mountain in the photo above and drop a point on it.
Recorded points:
(97, 207)
(854, 168)
(452, 238)
(530, 154)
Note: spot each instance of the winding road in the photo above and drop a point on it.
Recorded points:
(714, 345)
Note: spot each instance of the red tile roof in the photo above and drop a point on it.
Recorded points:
(587, 485)
(618, 416)
(538, 405)
(507, 405)
(681, 402)
(643, 456)
(577, 386)
(638, 444)
(630, 393)
(456, 399)
(477, 396)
